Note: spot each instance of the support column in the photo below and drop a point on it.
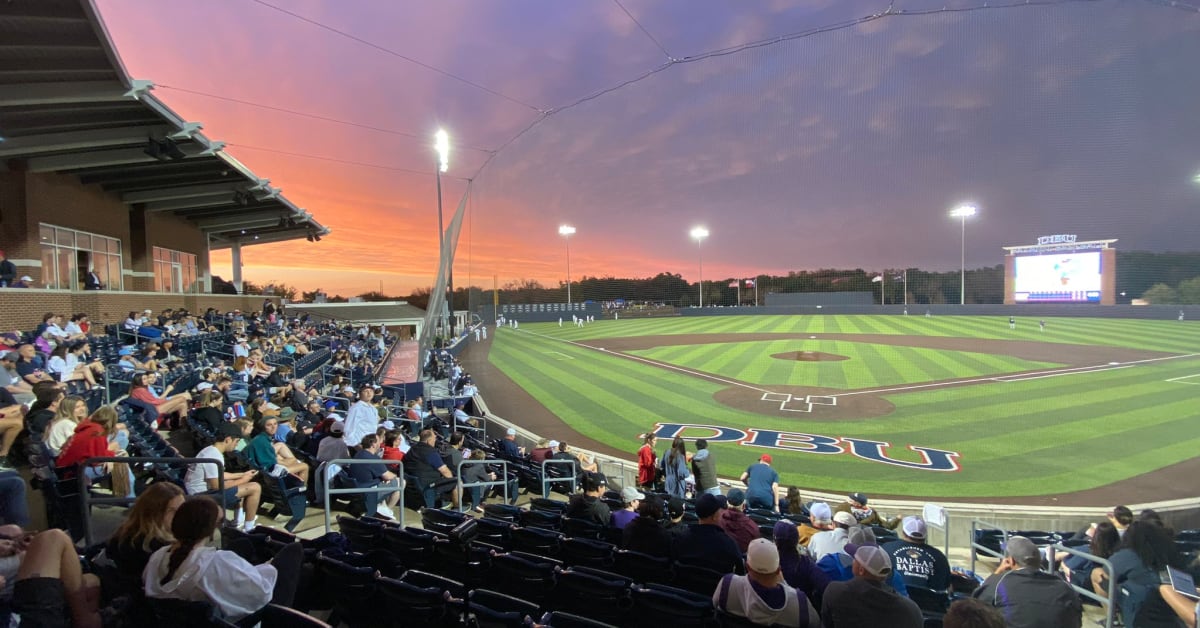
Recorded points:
(237, 266)
(206, 269)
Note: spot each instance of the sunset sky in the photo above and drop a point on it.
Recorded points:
(844, 148)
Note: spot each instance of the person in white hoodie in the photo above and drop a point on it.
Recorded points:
(761, 595)
(190, 570)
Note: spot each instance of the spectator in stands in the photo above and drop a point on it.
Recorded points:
(1121, 517)
(820, 519)
(11, 380)
(363, 418)
(675, 468)
(54, 332)
(798, 569)
(12, 422)
(864, 600)
(647, 459)
(8, 271)
(833, 540)
(425, 463)
(919, 563)
(645, 532)
(479, 473)
(71, 411)
(838, 566)
(132, 322)
(48, 396)
(761, 595)
(146, 529)
(705, 543)
(762, 484)
(1147, 549)
(971, 613)
(240, 490)
(333, 446)
(508, 446)
(210, 414)
(141, 389)
(462, 419)
(674, 524)
(1103, 541)
(267, 455)
(735, 523)
(298, 396)
(77, 324)
(256, 366)
(631, 499)
(1186, 609)
(232, 393)
(65, 366)
(542, 450)
(704, 469)
(375, 474)
(50, 587)
(395, 445)
(581, 465)
(95, 437)
(587, 505)
(856, 504)
(241, 346)
(1028, 596)
(190, 570)
(30, 365)
(164, 354)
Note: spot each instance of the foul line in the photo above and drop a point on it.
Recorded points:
(1075, 370)
(651, 362)
(1179, 380)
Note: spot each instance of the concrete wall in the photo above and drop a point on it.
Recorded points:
(787, 299)
(1028, 310)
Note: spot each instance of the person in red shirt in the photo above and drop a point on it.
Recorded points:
(92, 440)
(646, 462)
(394, 446)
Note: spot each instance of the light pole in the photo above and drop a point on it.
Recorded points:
(566, 231)
(962, 212)
(441, 143)
(699, 233)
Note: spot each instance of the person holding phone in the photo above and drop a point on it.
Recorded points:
(240, 488)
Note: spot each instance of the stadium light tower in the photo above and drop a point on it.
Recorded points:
(441, 143)
(699, 233)
(962, 212)
(566, 231)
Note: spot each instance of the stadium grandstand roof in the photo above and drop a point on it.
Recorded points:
(67, 105)
(365, 312)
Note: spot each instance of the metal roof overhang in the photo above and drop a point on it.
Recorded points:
(67, 105)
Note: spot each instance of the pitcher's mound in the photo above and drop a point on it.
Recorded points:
(809, 356)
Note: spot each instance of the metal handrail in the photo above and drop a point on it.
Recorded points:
(503, 481)
(342, 462)
(86, 498)
(1109, 602)
(944, 528)
(976, 547)
(547, 481)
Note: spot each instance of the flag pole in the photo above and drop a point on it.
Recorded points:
(756, 292)
(739, 292)
(905, 287)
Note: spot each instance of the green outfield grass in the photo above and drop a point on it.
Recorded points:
(1019, 438)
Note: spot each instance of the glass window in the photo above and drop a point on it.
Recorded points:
(174, 271)
(64, 252)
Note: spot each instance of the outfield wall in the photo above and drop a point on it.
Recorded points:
(1022, 311)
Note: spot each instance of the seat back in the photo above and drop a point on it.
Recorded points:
(186, 613)
(522, 575)
(656, 605)
(696, 578)
(930, 600)
(586, 551)
(361, 533)
(541, 519)
(413, 550)
(599, 595)
(441, 520)
(642, 568)
(581, 528)
(537, 541)
(491, 609)
(558, 619)
(415, 604)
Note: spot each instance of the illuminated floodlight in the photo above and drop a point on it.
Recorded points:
(566, 230)
(964, 211)
(442, 144)
(699, 233)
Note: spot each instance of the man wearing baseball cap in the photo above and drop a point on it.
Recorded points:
(856, 504)
(631, 498)
(705, 543)
(920, 564)
(865, 601)
(587, 505)
(1027, 596)
(761, 595)
(831, 541)
(735, 523)
(820, 519)
(11, 380)
(762, 484)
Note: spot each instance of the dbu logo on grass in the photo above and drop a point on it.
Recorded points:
(873, 450)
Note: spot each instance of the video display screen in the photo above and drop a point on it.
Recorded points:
(1058, 277)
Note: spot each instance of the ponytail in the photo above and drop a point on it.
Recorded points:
(194, 522)
(178, 554)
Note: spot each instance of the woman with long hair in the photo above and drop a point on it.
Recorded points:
(1146, 549)
(147, 528)
(167, 404)
(209, 412)
(66, 365)
(675, 467)
(95, 437)
(189, 569)
(1079, 571)
(71, 410)
(646, 462)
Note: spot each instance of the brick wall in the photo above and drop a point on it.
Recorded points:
(23, 309)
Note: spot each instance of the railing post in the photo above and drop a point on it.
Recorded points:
(547, 481)
(461, 486)
(343, 462)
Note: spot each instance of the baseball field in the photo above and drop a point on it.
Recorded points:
(951, 406)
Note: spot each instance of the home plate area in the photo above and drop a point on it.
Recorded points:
(790, 403)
